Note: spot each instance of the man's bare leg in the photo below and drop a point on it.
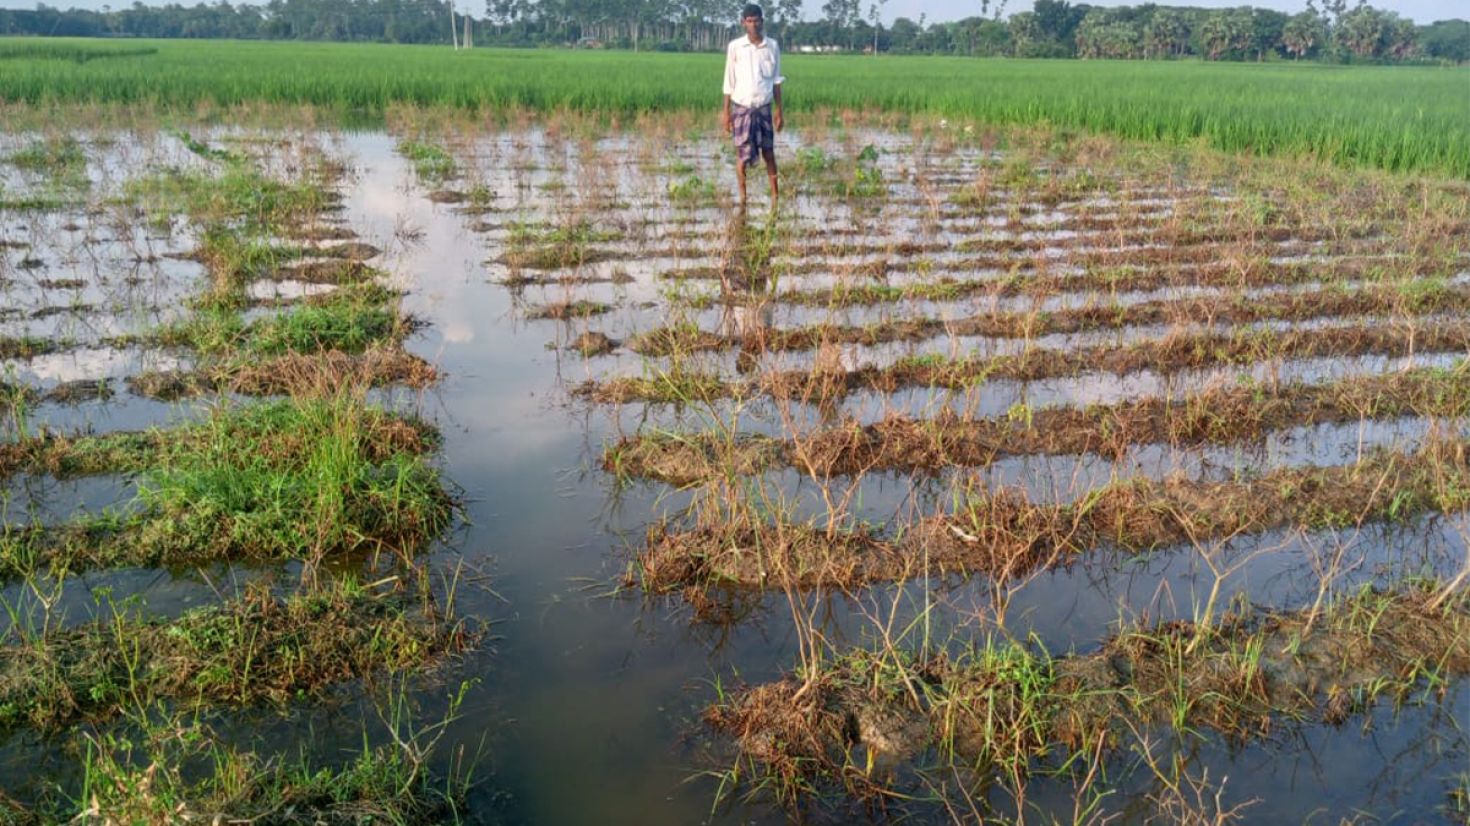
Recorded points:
(740, 176)
(770, 157)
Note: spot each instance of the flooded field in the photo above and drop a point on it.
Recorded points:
(519, 475)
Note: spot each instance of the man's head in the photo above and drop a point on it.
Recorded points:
(752, 19)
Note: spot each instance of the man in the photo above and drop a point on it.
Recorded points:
(752, 84)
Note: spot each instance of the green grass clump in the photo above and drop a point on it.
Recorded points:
(239, 196)
(139, 451)
(349, 326)
(259, 648)
(692, 190)
(540, 246)
(24, 347)
(60, 163)
(1000, 707)
(866, 180)
(381, 784)
(298, 479)
(431, 162)
(164, 768)
(63, 153)
(348, 319)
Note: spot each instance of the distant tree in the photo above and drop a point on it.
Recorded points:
(1166, 34)
(1366, 31)
(1267, 30)
(904, 35)
(1446, 40)
(1027, 37)
(1403, 40)
(875, 14)
(1336, 8)
(1215, 34)
(842, 16)
(1302, 33)
(787, 12)
(1059, 19)
(1104, 34)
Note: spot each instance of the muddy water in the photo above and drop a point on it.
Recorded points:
(595, 695)
(588, 693)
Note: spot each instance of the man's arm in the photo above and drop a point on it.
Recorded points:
(729, 90)
(777, 120)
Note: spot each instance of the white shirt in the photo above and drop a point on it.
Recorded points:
(752, 72)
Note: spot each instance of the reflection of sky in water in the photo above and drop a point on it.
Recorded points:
(583, 684)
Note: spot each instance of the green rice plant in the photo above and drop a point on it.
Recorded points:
(302, 479)
(349, 319)
(692, 190)
(76, 51)
(812, 161)
(247, 650)
(1397, 118)
(542, 246)
(51, 154)
(164, 768)
(431, 162)
(239, 196)
(867, 178)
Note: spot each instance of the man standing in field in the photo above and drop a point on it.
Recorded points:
(752, 84)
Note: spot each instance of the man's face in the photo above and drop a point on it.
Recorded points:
(752, 26)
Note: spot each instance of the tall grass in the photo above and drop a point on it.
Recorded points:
(1397, 118)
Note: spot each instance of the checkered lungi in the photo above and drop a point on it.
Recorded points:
(752, 130)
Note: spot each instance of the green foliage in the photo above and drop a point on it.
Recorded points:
(867, 178)
(431, 162)
(811, 160)
(1410, 119)
(349, 319)
(692, 190)
(163, 768)
(245, 650)
(543, 246)
(63, 153)
(285, 480)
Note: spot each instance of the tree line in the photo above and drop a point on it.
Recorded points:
(1334, 31)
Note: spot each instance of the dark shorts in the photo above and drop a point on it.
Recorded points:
(752, 131)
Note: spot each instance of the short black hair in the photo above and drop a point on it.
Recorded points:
(751, 10)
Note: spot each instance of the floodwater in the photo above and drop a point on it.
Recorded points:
(587, 693)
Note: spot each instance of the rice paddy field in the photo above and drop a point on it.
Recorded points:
(478, 458)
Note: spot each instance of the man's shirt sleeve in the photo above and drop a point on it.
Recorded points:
(776, 47)
(729, 70)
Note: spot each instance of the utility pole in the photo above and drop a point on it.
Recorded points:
(453, 28)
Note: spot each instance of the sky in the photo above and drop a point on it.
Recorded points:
(1420, 11)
